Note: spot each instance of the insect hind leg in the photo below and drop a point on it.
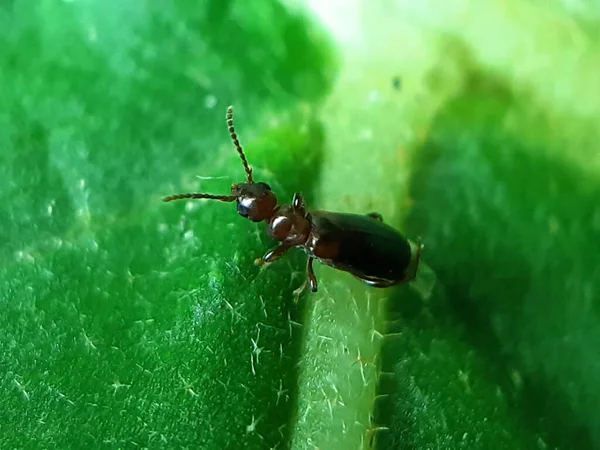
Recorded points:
(375, 215)
(411, 273)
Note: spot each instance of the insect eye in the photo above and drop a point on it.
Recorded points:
(242, 210)
(265, 185)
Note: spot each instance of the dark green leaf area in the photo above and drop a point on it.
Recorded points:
(127, 322)
(513, 233)
(138, 331)
(100, 102)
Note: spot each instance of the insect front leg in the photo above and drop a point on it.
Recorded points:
(299, 204)
(276, 253)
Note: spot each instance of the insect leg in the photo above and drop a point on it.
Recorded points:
(414, 265)
(276, 253)
(312, 278)
(376, 216)
(299, 204)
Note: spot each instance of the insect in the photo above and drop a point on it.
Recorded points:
(362, 245)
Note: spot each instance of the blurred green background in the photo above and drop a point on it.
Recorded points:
(129, 323)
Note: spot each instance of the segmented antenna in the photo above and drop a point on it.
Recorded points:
(222, 198)
(237, 144)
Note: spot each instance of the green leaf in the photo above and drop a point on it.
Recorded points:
(443, 133)
(127, 321)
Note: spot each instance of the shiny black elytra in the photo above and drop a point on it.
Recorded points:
(362, 245)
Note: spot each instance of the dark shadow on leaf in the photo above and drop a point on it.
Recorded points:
(509, 232)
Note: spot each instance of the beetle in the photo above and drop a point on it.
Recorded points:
(362, 245)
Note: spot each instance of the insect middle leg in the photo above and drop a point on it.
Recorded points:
(311, 277)
(311, 280)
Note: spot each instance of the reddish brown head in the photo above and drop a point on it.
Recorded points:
(255, 201)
